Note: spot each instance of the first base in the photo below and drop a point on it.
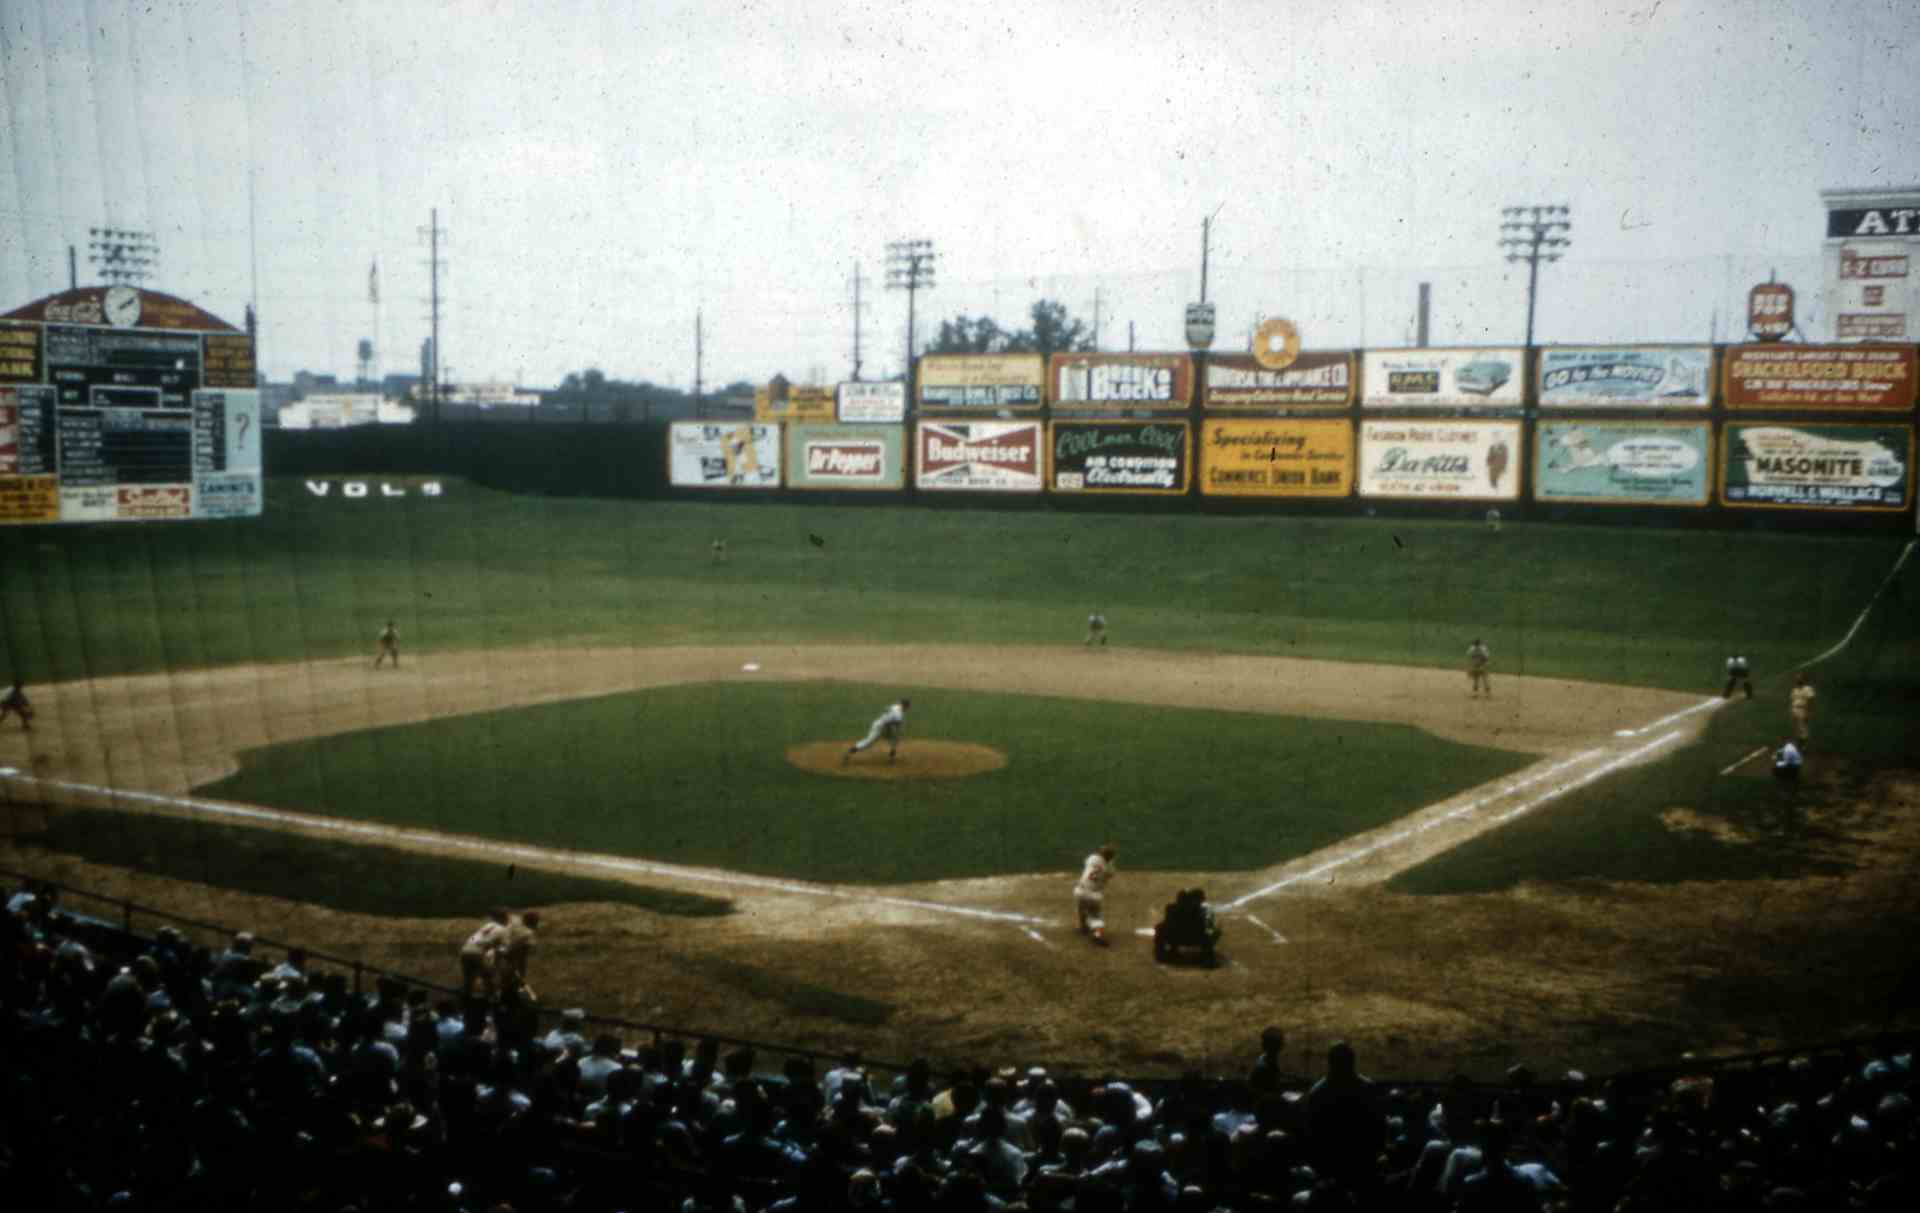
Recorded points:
(752, 667)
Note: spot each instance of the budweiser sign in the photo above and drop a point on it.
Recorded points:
(990, 456)
(846, 459)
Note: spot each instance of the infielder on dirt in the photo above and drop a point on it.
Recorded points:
(1739, 674)
(1096, 629)
(1478, 659)
(888, 725)
(1800, 703)
(1090, 894)
(15, 704)
(389, 643)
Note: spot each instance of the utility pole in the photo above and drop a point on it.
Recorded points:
(910, 269)
(73, 269)
(1096, 319)
(1534, 234)
(1206, 246)
(433, 232)
(699, 362)
(123, 256)
(1129, 336)
(858, 281)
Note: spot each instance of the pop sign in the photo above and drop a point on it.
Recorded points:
(1770, 311)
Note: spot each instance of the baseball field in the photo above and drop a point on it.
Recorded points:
(595, 714)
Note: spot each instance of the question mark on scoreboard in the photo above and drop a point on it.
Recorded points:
(243, 420)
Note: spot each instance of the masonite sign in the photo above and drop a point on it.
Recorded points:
(1820, 377)
(981, 381)
(873, 403)
(1770, 311)
(981, 456)
(1280, 458)
(1120, 381)
(1626, 376)
(846, 456)
(1148, 457)
(1316, 379)
(797, 404)
(1622, 462)
(723, 455)
(1828, 467)
(1451, 460)
(1436, 378)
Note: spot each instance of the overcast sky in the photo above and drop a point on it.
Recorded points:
(605, 169)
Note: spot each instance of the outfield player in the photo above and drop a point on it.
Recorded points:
(15, 704)
(389, 646)
(1090, 893)
(1800, 702)
(888, 725)
(1478, 659)
(1096, 629)
(1739, 674)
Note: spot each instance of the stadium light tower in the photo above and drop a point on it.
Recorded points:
(1534, 234)
(909, 269)
(124, 256)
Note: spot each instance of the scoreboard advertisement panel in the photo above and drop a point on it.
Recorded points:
(119, 404)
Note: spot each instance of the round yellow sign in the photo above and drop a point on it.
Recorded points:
(1276, 343)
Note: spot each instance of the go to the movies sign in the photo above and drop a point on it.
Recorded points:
(1454, 460)
(981, 456)
(1660, 376)
(1238, 381)
(723, 455)
(1121, 381)
(1846, 467)
(1119, 457)
(1621, 462)
(981, 381)
(845, 457)
(1820, 376)
(1441, 378)
(1310, 458)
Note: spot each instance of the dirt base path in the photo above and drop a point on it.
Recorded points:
(980, 968)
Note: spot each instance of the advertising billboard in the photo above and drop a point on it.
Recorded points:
(1306, 458)
(1316, 379)
(1864, 377)
(1622, 462)
(1829, 467)
(873, 403)
(978, 456)
(981, 382)
(1113, 382)
(1118, 457)
(1441, 460)
(723, 455)
(1626, 376)
(1868, 296)
(781, 401)
(1433, 378)
(846, 456)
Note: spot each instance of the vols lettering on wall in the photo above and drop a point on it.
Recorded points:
(1643, 376)
(723, 455)
(1455, 460)
(981, 456)
(981, 381)
(1118, 457)
(1276, 458)
(1316, 378)
(1845, 467)
(1465, 378)
(846, 457)
(1120, 381)
(1819, 377)
(1621, 462)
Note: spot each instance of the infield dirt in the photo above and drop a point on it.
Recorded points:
(1595, 976)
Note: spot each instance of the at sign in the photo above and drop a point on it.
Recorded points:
(1770, 311)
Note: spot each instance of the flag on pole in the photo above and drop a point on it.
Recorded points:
(373, 283)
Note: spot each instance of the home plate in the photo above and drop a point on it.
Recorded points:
(1623, 732)
(9, 770)
(1146, 931)
(752, 667)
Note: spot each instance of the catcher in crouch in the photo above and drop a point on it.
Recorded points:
(889, 724)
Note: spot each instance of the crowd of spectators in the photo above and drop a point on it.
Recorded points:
(152, 1074)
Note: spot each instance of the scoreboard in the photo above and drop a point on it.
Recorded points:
(120, 404)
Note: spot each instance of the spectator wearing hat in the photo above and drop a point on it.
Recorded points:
(568, 1036)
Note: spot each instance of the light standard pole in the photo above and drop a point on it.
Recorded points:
(910, 269)
(1534, 234)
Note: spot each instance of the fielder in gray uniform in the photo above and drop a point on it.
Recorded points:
(889, 725)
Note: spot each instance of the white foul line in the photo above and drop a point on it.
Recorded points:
(1862, 616)
(1277, 936)
(462, 842)
(1668, 719)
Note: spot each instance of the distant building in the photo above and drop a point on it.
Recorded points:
(338, 410)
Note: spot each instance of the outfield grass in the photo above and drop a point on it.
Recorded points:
(696, 775)
(315, 578)
(1868, 718)
(356, 879)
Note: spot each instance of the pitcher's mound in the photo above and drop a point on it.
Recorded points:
(917, 760)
